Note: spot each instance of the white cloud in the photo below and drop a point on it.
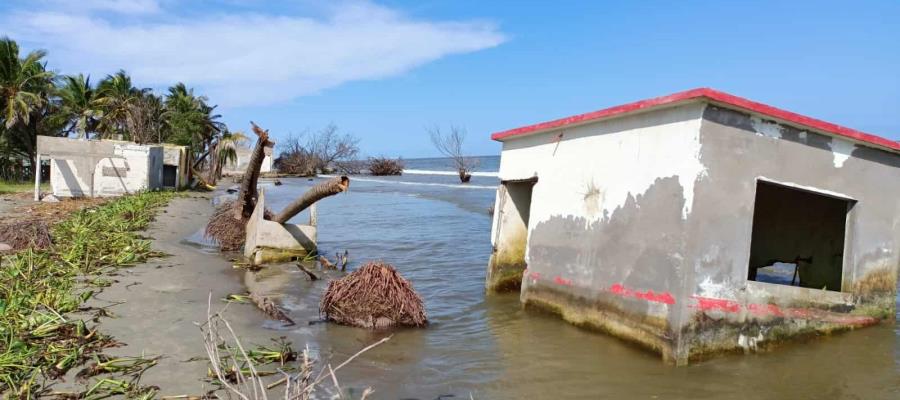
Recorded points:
(116, 6)
(241, 59)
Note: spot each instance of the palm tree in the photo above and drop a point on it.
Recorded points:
(78, 105)
(192, 122)
(22, 81)
(115, 96)
(225, 150)
(26, 109)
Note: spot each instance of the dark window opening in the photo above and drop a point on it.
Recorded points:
(798, 237)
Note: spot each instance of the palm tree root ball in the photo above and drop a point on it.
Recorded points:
(373, 297)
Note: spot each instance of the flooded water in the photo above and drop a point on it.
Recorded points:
(436, 232)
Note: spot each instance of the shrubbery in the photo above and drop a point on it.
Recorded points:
(381, 166)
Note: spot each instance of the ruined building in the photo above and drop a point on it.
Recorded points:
(699, 223)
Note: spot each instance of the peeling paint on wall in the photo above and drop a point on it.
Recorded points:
(765, 128)
(842, 150)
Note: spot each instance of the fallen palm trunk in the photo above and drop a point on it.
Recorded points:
(318, 192)
(373, 297)
(228, 225)
(248, 194)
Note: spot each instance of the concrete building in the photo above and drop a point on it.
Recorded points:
(176, 172)
(699, 223)
(81, 167)
(243, 158)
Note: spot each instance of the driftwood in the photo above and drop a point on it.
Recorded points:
(374, 297)
(269, 308)
(318, 192)
(312, 275)
(248, 194)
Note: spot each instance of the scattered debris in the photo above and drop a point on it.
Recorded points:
(21, 235)
(326, 264)
(269, 308)
(312, 276)
(245, 381)
(374, 297)
(50, 199)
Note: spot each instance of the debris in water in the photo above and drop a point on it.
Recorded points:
(374, 297)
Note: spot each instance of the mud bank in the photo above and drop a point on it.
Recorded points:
(154, 306)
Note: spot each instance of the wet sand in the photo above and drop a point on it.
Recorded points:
(163, 300)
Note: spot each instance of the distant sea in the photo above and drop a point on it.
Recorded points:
(487, 166)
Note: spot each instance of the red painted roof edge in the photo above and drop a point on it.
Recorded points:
(712, 95)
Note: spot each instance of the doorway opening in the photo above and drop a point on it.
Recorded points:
(510, 235)
(798, 237)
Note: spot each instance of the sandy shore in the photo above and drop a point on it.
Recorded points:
(157, 305)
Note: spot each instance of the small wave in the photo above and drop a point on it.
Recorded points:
(448, 173)
(449, 185)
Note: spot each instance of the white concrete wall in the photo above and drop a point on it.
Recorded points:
(65, 181)
(129, 169)
(595, 167)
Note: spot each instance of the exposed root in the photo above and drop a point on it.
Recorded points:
(227, 230)
(375, 296)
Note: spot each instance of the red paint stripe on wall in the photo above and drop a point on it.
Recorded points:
(649, 295)
(562, 281)
(710, 304)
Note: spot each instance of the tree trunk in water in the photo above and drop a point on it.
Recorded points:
(247, 197)
(330, 187)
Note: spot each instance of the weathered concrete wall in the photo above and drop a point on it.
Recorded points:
(641, 226)
(608, 219)
(112, 168)
(725, 311)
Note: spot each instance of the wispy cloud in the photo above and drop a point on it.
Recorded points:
(243, 58)
(115, 6)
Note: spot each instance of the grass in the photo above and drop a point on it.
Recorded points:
(20, 187)
(39, 339)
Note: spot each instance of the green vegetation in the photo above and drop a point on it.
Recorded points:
(39, 340)
(19, 187)
(34, 101)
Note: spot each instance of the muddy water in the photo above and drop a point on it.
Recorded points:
(437, 234)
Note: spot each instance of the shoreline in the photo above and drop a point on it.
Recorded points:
(155, 306)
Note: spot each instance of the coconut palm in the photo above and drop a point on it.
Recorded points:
(115, 96)
(78, 105)
(23, 83)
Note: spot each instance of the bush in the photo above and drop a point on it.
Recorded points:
(381, 166)
(297, 162)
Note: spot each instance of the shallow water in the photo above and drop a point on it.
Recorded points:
(436, 232)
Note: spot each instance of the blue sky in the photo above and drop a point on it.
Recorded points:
(385, 71)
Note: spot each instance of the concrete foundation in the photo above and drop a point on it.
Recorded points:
(650, 221)
(271, 242)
